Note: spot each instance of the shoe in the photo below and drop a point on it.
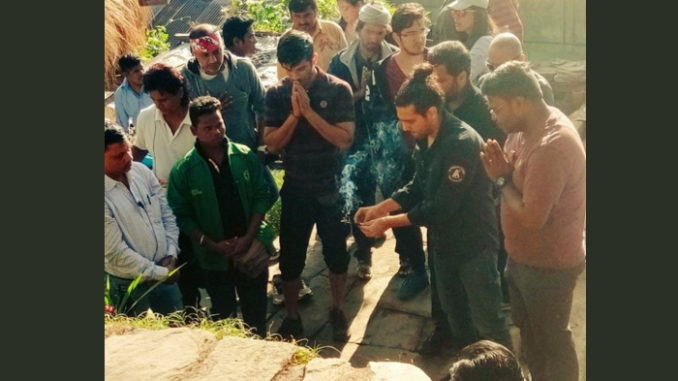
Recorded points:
(436, 342)
(413, 284)
(291, 328)
(404, 270)
(364, 270)
(339, 325)
(277, 296)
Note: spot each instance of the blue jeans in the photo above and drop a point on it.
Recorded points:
(541, 300)
(164, 299)
(468, 297)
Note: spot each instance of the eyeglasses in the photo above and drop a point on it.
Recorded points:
(490, 66)
(419, 33)
(461, 13)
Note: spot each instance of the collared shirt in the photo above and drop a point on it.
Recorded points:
(128, 104)
(140, 228)
(155, 136)
(475, 111)
(310, 161)
(328, 40)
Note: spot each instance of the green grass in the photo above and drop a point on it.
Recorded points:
(121, 324)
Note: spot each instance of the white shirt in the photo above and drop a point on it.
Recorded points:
(139, 226)
(155, 136)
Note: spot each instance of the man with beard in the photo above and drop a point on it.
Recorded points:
(239, 36)
(354, 65)
(328, 38)
(393, 145)
(452, 196)
(310, 119)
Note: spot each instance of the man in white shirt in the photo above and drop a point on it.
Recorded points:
(164, 129)
(141, 233)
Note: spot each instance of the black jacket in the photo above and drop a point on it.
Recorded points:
(451, 195)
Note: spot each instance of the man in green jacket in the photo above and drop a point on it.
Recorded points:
(220, 196)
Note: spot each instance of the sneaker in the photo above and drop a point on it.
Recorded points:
(291, 328)
(364, 270)
(404, 270)
(305, 292)
(436, 342)
(413, 284)
(277, 296)
(339, 325)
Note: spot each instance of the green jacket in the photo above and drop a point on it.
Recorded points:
(191, 195)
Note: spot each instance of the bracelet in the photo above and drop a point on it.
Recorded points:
(202, 240)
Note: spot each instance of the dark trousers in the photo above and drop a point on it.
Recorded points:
(467, 296)
(541, 301)
(191, 277)
(222, 286)
(299, 212)
(164, 299)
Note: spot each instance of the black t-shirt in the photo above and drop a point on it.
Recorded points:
(230, 206)
(311, 163)
(476, 112)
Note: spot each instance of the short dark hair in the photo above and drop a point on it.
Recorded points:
(202, 106)
(297, 6)
(451, 54)
(512, 79)
(128, 62)
(166, 79)
(113, 134)
(235, 27)
(405, 15)
(486, 360)
(295, 47)
(202, 30)
(421, 90)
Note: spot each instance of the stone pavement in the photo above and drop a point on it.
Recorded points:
(381, 327)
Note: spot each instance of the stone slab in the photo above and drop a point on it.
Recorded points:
(155, 355)
(236, 359)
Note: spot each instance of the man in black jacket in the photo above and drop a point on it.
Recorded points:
(452, 196)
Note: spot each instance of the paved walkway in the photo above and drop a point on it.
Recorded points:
(381, 327)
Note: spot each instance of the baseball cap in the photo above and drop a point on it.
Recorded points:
(463, 4)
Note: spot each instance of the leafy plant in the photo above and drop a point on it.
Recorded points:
(156, 42)
(273, 215)
(122, 307)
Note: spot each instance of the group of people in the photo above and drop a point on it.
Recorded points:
(495, 173)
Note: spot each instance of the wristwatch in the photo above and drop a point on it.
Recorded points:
(502, 181)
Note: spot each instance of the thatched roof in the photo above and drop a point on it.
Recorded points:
(125, 24)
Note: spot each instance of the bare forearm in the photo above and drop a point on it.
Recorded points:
(388, 206)
(277, 138)
(253, 228)
(397, 220)
(337, 136)
(138, 154)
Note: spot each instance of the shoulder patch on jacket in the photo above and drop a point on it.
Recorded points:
(456, 174)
